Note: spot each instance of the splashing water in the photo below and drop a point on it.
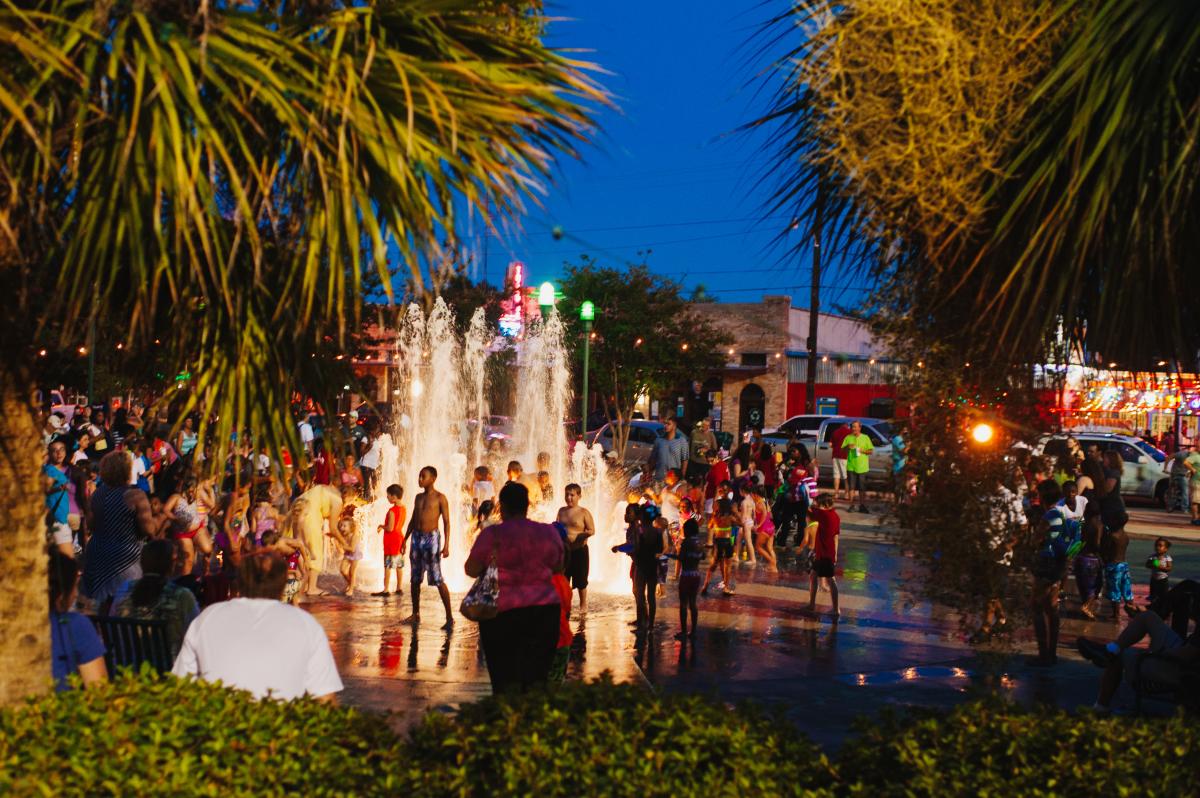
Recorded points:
(439, 419)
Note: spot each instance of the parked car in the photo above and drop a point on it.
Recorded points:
(880, 432)
(802, 426)
(1143, 475)
(59, 404)
(642, 435)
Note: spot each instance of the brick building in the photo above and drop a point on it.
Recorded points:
(763, 381)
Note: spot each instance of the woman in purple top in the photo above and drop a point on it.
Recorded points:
(519, 642)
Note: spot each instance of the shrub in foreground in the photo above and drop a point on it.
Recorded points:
(149, 735)
(602, 739)
(991, 748)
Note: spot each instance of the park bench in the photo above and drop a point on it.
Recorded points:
(131, 641)
(1185, 693)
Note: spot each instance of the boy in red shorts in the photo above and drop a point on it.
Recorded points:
(393, 540)
(829, 526)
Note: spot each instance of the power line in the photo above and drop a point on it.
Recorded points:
(845, 286)
(645, 244)
(660, 224)
(677, 170)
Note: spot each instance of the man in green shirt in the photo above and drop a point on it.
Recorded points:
(1192, 465)
(857, 448)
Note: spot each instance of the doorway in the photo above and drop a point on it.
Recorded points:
(752, 407)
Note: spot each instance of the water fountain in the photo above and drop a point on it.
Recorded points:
(438, 420)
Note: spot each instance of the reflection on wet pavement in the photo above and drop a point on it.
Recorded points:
(887, 649)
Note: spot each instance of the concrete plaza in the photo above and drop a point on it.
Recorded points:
(889, 649)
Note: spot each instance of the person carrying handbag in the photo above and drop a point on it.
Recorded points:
(519, 641)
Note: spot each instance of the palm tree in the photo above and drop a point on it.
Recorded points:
(226, 175)
(1006, 167)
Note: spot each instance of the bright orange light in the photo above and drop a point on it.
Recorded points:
(982, 433)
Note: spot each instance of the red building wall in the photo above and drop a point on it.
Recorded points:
(853, 399)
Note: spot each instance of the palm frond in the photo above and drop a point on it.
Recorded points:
(242, 171)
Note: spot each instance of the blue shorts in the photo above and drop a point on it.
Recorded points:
(1117, 584)
(425, 556)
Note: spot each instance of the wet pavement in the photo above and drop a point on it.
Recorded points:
(888, 649)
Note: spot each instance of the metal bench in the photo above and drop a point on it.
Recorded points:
(131, 641)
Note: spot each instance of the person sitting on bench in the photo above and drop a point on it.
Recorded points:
(1120, 657)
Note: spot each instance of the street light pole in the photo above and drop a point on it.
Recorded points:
(587, 313)
(91, 354)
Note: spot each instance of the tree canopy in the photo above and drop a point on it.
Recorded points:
(1009, 168)
(648, 340)
(238, 169)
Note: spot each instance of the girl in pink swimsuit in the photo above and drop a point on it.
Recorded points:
(764, 528)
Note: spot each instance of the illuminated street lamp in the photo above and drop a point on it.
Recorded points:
(982, 432)
(546, 298)
(587, 314)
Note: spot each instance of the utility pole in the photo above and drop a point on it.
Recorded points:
(91, 355)
(814, 309)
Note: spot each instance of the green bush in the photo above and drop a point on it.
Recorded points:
(161, 735)
(149, 735)
(602, 739)
(991, 748)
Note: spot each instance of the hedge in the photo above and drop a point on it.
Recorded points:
(149, 735)
(991, 748)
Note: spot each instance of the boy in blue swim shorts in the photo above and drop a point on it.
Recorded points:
(428, 545)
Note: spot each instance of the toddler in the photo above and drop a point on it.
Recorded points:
(1160, 569)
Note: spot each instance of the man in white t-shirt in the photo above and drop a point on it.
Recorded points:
(139, 466)
(306, 436)
(369, 464)
(259, 644)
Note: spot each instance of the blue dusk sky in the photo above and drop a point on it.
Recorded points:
(668, 172)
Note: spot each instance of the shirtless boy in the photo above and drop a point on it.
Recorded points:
(516, 473)
(580, 527)
(429, 545)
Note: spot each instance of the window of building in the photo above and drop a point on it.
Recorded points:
(754, 359)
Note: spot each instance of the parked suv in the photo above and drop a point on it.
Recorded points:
(880, 432)
(1142, 475)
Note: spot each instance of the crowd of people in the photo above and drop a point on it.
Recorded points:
(141, 523)
(1069, 516)
(693, 504)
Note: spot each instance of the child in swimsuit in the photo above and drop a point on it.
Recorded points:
(297, 561)
(764, 528)
(691, 551)
(350, 540)
(187, 519)
(722, 525)
(265, 517)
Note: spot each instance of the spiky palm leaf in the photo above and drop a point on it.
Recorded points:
(1086, 214)
(1100, 208)
(234, 170)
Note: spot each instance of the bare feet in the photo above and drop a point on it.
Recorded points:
(414, 619)
(382, 593)
(448, 625)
